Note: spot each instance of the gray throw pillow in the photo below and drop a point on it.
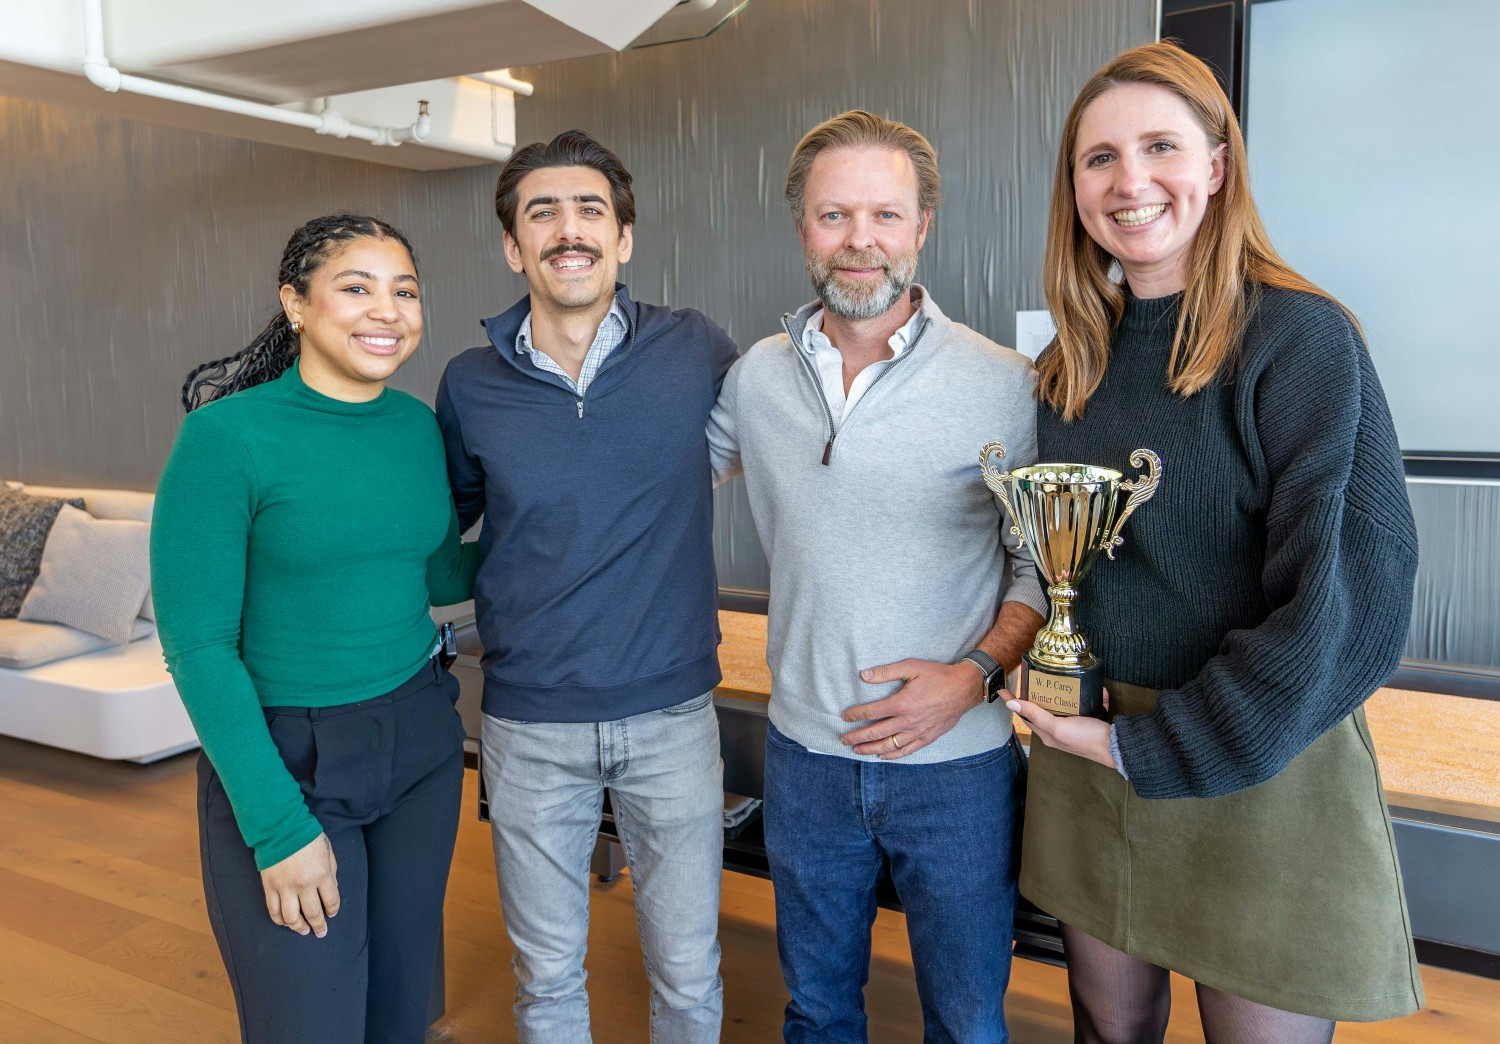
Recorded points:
(24, 523)
(93, 576)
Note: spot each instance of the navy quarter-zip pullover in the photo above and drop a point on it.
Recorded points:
(596, 595)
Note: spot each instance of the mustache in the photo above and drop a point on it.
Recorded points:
(856, 259)
(575, 248)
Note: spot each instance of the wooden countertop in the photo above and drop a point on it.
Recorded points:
(742, 656)
(1437, 753)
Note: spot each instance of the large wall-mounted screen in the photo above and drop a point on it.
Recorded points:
(1374, 155)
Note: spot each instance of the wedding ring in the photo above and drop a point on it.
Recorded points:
(895, 743)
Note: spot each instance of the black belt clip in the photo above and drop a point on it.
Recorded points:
(447, 646)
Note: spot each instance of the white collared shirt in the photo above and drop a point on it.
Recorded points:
(607, 338)
(830, 363)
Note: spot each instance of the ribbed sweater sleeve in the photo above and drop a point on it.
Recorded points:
(1338, 572)
(199, 537)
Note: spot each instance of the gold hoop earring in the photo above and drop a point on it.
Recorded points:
(297, 328)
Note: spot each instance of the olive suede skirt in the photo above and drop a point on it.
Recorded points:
(1287, 893)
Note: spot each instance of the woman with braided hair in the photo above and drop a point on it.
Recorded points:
(303, 528)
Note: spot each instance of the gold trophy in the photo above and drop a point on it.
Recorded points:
(1066, 514)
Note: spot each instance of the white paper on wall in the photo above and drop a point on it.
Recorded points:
(1034, 331)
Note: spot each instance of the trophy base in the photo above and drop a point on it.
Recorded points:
(1070, 693)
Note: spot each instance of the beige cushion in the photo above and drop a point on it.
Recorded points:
(94, 575)
(103, 503)
(24, 645)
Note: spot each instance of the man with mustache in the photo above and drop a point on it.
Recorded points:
(898, 598)
(577, 432)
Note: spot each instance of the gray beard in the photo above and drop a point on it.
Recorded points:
(865, 302)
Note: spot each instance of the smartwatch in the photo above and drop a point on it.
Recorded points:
(994, 674)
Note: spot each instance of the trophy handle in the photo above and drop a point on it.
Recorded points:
(996, 480)
(1141, 489)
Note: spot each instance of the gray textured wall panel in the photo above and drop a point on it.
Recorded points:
(131, 251)
(1456, 615)
(707, 128)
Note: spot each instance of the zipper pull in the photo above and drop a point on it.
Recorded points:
(580, 409)
(828, 449)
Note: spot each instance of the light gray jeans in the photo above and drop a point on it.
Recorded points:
(546, 783)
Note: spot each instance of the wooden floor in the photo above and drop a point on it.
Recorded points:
(103, 935)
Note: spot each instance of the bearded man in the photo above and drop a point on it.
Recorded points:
(899, 599)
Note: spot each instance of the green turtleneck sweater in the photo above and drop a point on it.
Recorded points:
(1267, 588)
(296, 546)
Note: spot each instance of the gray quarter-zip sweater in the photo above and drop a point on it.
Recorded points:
(883, 541)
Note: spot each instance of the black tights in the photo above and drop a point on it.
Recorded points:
(1120, 999)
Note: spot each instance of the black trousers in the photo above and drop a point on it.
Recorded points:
(384, 777)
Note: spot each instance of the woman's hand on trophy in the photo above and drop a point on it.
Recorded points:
(929, 703)
(1084, 737)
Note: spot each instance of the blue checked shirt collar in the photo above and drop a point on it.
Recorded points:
(610, 335)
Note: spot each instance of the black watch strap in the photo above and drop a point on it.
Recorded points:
(994, 675)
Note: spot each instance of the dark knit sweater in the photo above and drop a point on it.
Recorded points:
(1267, 588)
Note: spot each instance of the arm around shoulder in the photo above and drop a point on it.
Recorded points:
(723, 429)
(465, 471)
(452, 567)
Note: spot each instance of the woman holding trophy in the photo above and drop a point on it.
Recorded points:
(1228, 822)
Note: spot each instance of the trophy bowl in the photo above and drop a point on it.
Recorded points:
(1065, 515)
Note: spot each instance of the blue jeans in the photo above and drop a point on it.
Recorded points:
(947, 834)
(546, 783)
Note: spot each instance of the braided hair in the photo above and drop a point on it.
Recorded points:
(275, 348)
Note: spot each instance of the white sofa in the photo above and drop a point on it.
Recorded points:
(118, 702)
